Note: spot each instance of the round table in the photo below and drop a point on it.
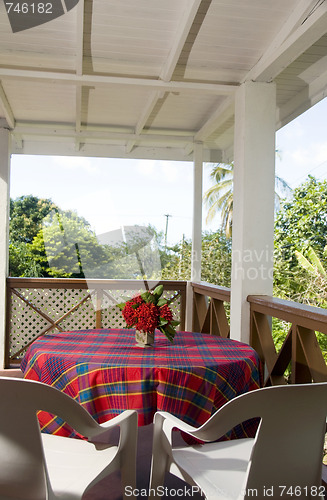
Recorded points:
(106, 372)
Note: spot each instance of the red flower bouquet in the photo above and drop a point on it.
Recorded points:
(149, 311)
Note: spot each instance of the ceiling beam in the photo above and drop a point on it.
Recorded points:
(6, 108)
(271, 65)
(221, 114)
(66, 132)
(225, 110)
(102, 80)
(105, 150)
(148, 108)
(301, 10)
(170, 65)
(180, 39)
(310, 95)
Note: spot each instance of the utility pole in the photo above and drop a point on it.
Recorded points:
(167, 217)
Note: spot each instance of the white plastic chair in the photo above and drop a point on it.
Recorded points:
(37, 466)
(285, 456)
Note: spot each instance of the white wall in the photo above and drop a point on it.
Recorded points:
(4, 231)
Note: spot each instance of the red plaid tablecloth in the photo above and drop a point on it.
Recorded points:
(107, 373)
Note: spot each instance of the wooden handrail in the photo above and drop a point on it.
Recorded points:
(304, 315)
(300, 349)
(214, 291)
(84, 284)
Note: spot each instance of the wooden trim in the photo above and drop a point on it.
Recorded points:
(86, 283)
(183, 309)
(214, 291)
(313, 355)
(199, 312)
(264, 337)
(209, 314)
(219, 323)
(300, 346)
(304, 315)
(7, 339)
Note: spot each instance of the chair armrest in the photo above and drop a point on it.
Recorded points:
(231, 414)
(118, 420)
(126, 420)
(164, 423)
(171, 422)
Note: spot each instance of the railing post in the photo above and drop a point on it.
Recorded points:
(189, 307)
(98, 314)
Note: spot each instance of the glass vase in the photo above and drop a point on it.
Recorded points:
(144, 339)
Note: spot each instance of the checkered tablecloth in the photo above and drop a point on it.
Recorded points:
(107, 373)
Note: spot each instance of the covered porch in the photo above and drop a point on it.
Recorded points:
(200, 81)
(193, 80)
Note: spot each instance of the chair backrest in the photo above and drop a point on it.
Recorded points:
(22, 464)
(288, 447)
(289, 442)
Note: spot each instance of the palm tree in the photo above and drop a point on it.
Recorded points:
(219, 197)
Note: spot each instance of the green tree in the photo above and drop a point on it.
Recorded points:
(219, 197)
(216, 260)
(313, 274)
(300, 224)
(25, 221)
(301, 252)
(67, 247)
(22, 261)
(48, 242)
(26, 216)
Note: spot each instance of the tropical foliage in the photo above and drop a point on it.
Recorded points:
(215, 261)
(219, 197)
(301, 227)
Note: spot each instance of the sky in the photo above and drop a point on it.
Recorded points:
(110, 193)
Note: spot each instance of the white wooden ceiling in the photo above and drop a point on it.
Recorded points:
(148, 78)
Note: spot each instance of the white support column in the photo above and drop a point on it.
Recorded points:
(253, 205)
(197, 213)
(196, 231)
(4, 232)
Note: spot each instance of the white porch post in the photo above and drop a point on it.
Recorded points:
(197, 213)
(4, 232)
(196, 229)
(253, 205)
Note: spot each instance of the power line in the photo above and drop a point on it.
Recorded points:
(309, 172)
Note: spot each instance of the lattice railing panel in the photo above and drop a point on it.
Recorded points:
(36, 308)
(25, 324)
(36, 311)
